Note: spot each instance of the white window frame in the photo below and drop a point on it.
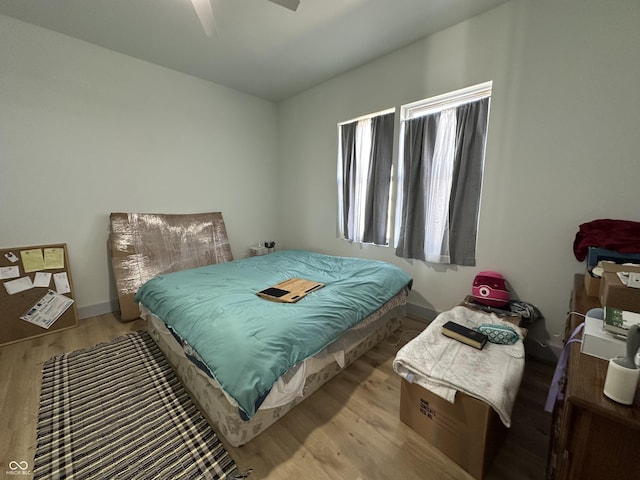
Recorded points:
(444, 101)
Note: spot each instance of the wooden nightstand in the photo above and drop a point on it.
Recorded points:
(592, 437)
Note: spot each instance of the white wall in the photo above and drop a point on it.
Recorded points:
(85, 131)
(562, 146)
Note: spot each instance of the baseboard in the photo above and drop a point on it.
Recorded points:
(99, 309)
(421, 313)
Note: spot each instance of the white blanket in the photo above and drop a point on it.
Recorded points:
(444, 366)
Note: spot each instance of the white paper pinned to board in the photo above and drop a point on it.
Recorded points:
(62, 282)
(48, 309)
(19, 285)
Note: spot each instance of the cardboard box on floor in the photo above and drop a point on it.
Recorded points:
(144, 245)
(471, 303)
(614, 293)
(468, 431)
(516, 320)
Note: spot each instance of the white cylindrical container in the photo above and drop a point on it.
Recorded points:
(621, 382)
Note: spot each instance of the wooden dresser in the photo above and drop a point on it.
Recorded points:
(592, 437)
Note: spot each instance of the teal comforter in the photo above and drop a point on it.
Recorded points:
(248, 342)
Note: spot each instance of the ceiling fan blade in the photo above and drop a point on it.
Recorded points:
(290, 4)
(204, 10)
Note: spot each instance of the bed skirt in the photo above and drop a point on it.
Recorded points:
(224, 417)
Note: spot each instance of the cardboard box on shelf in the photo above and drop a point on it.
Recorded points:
(614, 293)
(468, 431)
(592, 284)
(620, 267)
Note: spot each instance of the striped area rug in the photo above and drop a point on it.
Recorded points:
(117, 410)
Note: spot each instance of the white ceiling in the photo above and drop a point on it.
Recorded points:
(260, 48)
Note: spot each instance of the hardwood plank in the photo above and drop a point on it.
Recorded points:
(349, 429)
(21, 375)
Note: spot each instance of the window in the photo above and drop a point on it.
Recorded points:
(440, 167)
(365, 159)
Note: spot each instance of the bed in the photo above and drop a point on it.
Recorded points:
(247, 360)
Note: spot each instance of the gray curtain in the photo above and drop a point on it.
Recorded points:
(464, 207)
(419, 142)
(420, 134)
(377, 204)
(378, 187)
(348, 133)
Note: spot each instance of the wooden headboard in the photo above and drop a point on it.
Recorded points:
(144, 245)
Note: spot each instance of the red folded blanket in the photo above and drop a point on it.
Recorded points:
(619, 235)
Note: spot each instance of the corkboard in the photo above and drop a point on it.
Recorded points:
(12, 307)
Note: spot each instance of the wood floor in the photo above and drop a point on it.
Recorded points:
(349, 429)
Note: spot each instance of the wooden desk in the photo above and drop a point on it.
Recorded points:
(592, 437)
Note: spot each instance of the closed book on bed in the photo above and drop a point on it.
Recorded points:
(464, 335)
